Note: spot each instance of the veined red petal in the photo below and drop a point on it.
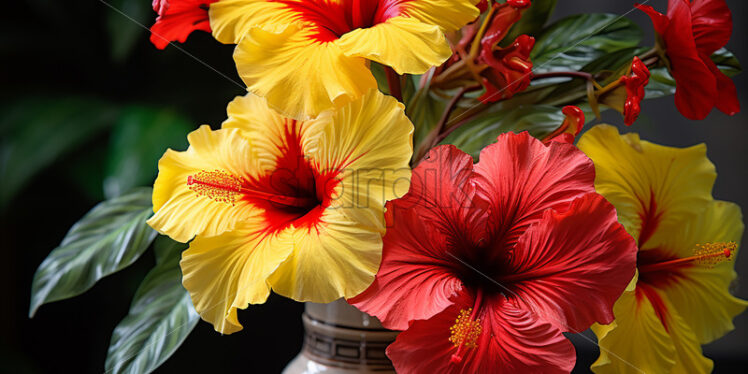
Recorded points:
(511, 340)
(428, 226)
(522, 178)
(575, 278)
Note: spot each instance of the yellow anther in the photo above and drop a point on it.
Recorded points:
(465, 331)
(710, 254)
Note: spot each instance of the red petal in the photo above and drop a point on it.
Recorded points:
(727, 101)
(571, 267)
(437, 215)
(696, 87)
(511, 341)
(659, 20)
(442, 191)
(522, 178)
(712, 24)
(178, 19)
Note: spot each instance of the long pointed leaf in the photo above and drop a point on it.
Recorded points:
(160, 319)
(107, 239)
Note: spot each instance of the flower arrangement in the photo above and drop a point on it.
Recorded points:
(422, 159)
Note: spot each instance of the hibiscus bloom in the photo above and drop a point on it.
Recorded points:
(177, 19)
(308, 56)
(486, 265)
(634, 83)
(277, 203)
(692, 31)
(681, 299)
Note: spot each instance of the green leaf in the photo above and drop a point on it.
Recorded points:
(139, 139)
(727, 62)
(661, 83)
(107, 239)
(36, 132)
(160, 319)
(533, 19)
(575, 41)
(424, 110)
(125, 28)
(538, 120)
(620, 59)
(377, 70)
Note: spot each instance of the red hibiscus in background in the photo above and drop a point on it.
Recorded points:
(177, 19)
(486, 265)
(692, 32)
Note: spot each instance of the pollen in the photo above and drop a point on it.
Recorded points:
(217, 185)
(711, 254)
(465, 331)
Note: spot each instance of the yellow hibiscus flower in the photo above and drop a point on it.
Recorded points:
(275, 203)
(307, 56)
(680, 299)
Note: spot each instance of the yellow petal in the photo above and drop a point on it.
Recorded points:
(230, 20)
(371, 139)
(701, 295)
(339, 260)
(268, 130)
(641, 179)
(300, 77)
(406, 44)
(637, 342)
(449, 14)
(228, 272)
(180, 212)
(688, 356)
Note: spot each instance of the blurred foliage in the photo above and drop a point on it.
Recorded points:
(88, 108)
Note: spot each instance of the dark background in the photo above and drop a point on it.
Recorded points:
(54, 50)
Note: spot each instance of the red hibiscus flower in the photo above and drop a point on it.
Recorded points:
(635, 83)
(177, 19)
(486, 265)
(693, 31)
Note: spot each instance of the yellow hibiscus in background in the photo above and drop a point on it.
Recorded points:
(680, 299)
(275, 203)
(307, 56)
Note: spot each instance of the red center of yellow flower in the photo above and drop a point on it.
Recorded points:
(295, 192)
(658, 269)
(225, 187)
(331, 19)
